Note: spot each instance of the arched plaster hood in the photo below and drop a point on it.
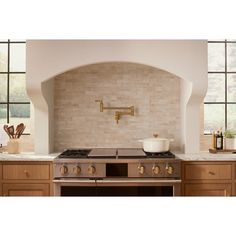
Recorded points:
(185, 58)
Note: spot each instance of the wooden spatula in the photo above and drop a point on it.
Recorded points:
(6, 130)
(11, 131)
(21, 130)
(18, 129)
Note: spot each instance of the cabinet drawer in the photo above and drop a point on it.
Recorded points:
(33, 172)
(207, 190)
(25, 189)
(208, 171)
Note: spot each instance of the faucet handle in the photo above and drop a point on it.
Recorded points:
(117, 116)
(101, 104)
(132, 110)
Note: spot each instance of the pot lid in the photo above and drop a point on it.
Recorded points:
(155, 139)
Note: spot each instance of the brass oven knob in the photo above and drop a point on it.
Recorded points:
(64, 170)
(141, 170)
(156, 170)
(91, 170)
(170, 169)
(77, 170)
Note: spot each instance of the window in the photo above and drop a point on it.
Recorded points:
(220, 101)
(14, 102)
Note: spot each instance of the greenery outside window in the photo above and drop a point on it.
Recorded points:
(14, 102)
(220, 101)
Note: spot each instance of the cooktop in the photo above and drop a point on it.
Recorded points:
(112, 153)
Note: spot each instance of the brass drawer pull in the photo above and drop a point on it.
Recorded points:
(26, 173)
(211, 173)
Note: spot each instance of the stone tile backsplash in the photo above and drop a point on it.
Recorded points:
(154, 93)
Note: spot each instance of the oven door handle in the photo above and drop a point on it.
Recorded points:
(138, 182)
(74, 182)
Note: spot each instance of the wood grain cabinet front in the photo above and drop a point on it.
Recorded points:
(26, 189)
(208, 178)
(26, 178)
(212, 189)
(23, 172)
(208, 171)
(0, 179)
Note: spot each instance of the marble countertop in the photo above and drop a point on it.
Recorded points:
(206, 156)
(201, 156)
(27, 156)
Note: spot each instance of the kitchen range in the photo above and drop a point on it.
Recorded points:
(116, 172)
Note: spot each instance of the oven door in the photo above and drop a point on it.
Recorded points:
(117, 187)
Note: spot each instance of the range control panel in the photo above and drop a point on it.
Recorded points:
(160, 169)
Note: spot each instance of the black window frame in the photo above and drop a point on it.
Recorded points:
(225, 72)
(8, 73)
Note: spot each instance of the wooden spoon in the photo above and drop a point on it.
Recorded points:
(18, 129)
(11, 131)
(6, 130)
(21, 131)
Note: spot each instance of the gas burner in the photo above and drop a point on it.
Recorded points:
(75, 153)
(160, 155)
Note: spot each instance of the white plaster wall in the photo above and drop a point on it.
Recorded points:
(185, 58)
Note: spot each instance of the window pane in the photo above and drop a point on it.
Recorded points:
(216, 54)
(3, 88)
(231, 116)
(3, 114)
(18, 88)
(20, 113)
(231, 87)
(214, 117)
(216, 88)
(17, 57)
(3, 57)
(231, 56)
(18, 40)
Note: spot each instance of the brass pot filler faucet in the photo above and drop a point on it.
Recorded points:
(118, 114)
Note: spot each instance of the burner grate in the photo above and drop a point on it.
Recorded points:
(75, 153)
(160, 155)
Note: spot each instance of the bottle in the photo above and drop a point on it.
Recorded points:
(219, 140)
(213, 140)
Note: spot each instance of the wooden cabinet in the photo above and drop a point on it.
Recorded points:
(0, 179)
(26, 171)
(26, 189)
(208, 178)
(25, 178)
(208, 171)
(234, 183)
(212, 189)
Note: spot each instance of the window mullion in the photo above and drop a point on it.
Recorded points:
(8, 103)
(226, 87)
(8, 81)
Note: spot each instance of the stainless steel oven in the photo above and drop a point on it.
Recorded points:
(112, 173)
(117, 187)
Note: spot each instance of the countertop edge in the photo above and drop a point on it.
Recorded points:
(27, 157)
(201, 156)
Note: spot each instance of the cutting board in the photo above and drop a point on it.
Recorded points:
(212, 150)
(131, 152)
(102, 152)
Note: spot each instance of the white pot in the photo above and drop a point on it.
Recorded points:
(230, 143)
(155, 144)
